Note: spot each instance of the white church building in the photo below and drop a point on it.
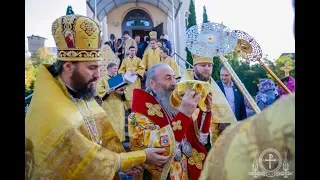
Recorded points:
(139, 17)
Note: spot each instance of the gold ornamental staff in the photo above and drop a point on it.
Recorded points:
(213, 39)
(240, 85)
(249, 49)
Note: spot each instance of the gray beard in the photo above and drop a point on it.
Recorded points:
(163, 98)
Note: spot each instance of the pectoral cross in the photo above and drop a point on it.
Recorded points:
(286, 69)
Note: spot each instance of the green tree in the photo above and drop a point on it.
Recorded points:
(192, 20)
(216, 68)
(260, 73)
(269, 63)
(282, 61)
(248, 74)
(275, 66)
(30, 77)
(205, 15)
(29, 74)
(42, 56)
(28, 91)
(232, 58)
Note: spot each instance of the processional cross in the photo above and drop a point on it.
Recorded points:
(286, 69)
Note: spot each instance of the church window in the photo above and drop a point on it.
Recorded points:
(137, 18)
(138, 23)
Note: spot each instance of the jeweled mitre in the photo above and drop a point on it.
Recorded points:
(77, 37)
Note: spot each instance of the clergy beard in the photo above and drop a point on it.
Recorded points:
(202, 77)
(163, 96)
(79, 84)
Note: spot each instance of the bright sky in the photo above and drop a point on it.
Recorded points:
(270, 22)
(40, 15)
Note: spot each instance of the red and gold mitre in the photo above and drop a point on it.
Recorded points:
(77, 37)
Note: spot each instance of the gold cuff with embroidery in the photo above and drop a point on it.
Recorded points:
(131, 159)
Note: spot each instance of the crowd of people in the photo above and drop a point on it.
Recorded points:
(126, 41)
(268, 92)
(181, 126)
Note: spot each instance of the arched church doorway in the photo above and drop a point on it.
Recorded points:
(137, 22)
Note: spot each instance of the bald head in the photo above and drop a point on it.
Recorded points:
(160, 77)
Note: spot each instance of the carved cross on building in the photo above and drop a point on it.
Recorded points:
(286, 69)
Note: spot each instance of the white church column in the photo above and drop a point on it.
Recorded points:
(169, 29)
(174, 28)
(180, 37)
(95, 10)
(182, 26)
(105, 29)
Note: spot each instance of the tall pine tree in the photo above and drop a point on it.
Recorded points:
(192, 20)
(216, 62)
(204, 15)
(216, 69)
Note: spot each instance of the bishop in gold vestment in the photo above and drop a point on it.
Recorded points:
(68, 135)
(134, 65)
(236, 153)
(112, 101)
(222, 112)
(63, 148)
(151, 55)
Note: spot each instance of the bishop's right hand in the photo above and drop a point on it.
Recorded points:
(189, 103)
(154, 156)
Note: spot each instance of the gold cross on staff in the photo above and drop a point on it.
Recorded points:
(286, 69)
